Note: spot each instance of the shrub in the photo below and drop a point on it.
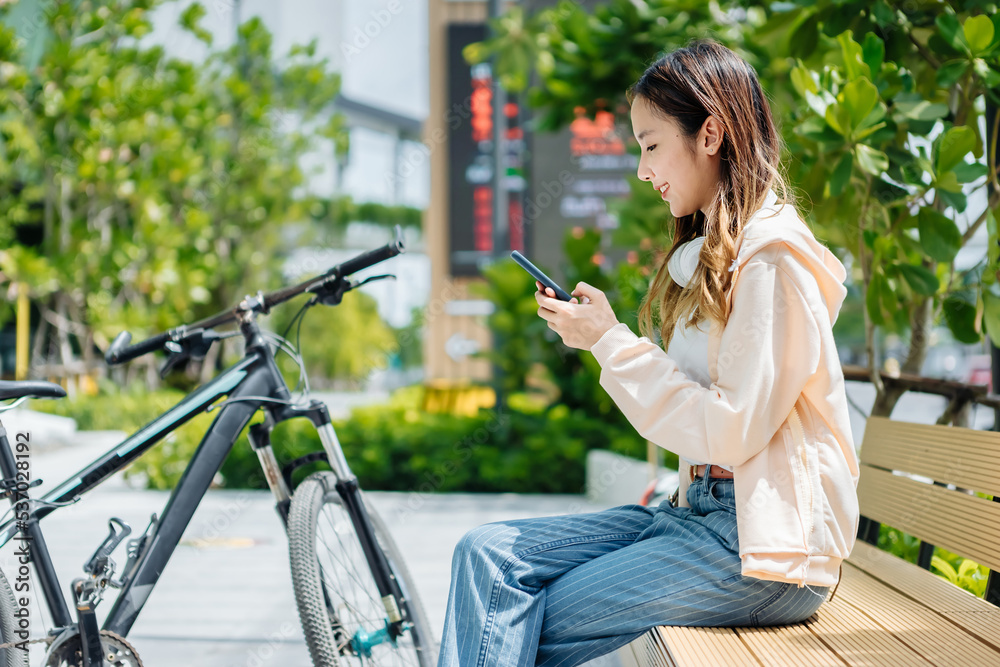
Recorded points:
(394, 447)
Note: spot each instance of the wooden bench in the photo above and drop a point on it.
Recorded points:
(885, 610)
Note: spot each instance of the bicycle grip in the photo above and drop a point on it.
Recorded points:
(120, 351)
(375, 256)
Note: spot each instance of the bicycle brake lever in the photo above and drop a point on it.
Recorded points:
(373, 279)
(194, 345)
(172, 362)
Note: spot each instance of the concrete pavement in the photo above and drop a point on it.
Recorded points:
(225, 598)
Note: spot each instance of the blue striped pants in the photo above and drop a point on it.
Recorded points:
(561, 590)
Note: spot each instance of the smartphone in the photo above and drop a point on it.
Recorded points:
(540, 276)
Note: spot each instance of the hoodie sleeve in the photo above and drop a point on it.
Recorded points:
(769, 349)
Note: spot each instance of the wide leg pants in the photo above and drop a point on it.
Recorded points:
(561, 590)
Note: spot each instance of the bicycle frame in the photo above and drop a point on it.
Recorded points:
(251, 384)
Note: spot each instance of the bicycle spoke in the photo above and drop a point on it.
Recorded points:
(340, 605)
(364, 603)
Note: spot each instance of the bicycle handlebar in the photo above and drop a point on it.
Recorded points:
(120, 351)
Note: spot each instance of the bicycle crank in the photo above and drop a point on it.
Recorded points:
(66, 651)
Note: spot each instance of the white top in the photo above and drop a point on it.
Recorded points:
(689, 347)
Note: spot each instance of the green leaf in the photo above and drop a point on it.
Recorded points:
(914, 106)
(939, 234)
(816, 129)
(955, 200)
(967, 172)
(819, 102)
(873, 301)
(883, 14)
(838, 117)
(989, 75)
(802, 80)
(922, 280)
(841, 174)
(949, 73)
(191, 18)
(960, 314)
(953, 146)
(805, 38)
(978, 32)
(871, 160)
(945, 568)
(873, 49)
(991, 316)
(951, 31)
(854, 63)
(859, 97)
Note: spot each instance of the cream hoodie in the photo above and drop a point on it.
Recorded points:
(776, 410)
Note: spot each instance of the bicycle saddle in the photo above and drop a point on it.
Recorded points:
(30, 388)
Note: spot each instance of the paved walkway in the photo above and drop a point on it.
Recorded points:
(225, 599)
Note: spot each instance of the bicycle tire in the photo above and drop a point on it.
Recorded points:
(355, 612)
(9, 657)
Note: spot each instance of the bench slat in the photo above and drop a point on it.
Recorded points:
(928, 633)
(858, 639)
(975, 614)
(643, 652)
(711, 647)
(787, 645)
(933, 450)
(966, 525)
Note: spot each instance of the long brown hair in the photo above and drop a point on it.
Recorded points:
(687, 85)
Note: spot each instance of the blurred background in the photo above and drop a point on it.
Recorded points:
(159, 160)
(162, 159)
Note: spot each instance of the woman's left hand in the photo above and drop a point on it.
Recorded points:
(580, 325)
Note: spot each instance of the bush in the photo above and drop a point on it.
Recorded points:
(393, 447)
(129, 411)
(962, 572)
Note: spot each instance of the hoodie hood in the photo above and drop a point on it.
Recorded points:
(775, 223)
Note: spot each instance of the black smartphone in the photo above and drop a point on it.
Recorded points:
(540, 276)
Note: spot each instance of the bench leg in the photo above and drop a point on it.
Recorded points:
(925, 554)
(868, 531)
(993, 581)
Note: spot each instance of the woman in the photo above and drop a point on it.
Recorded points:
(750, 383)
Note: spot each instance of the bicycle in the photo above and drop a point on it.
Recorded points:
(356, 600)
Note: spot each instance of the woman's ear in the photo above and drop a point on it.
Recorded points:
(710, 136)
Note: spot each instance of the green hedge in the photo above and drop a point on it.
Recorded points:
(962, 572)
(395, 447)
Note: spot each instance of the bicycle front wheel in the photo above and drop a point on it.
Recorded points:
(343, 617)
(12, 656)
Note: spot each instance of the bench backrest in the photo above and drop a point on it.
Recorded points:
(953, 519)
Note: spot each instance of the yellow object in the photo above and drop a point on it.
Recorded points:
(457, 398)
(23, 332)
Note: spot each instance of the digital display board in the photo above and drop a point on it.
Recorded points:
(471, 159)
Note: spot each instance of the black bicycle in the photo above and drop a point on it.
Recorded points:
(357, 602)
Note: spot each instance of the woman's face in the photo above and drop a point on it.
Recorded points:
(687, 175)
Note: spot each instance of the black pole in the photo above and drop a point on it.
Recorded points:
(993, 579)
(500, 204)
(991, 116)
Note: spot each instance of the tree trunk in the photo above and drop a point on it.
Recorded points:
(920, 325)
(65, 350)
(38, 345)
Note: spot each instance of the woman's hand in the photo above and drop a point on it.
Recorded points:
(580, 325)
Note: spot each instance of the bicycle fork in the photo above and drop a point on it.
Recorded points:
(346, 486)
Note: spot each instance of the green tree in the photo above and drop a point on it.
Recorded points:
(340, 345)
(879, 106)
(139, 191)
